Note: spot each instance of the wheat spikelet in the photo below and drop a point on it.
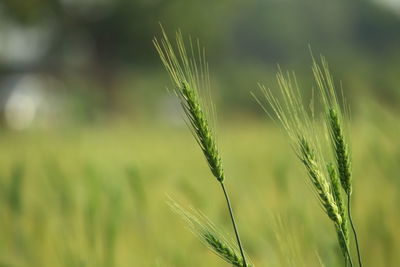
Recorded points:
(341, 151)
(320, 183)
(189, 73)
(342, 231)
(202, 227)
(334, 120)
(301, 129)
(290, 112)
(223, 250)
(338, 197)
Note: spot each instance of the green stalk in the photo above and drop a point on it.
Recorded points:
(354, 231)
(234, 223)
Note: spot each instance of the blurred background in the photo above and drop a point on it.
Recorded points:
(92, 141)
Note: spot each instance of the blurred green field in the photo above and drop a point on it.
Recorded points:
(97, 196)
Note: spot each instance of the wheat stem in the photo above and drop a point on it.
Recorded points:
(234, 223)
(354, 231)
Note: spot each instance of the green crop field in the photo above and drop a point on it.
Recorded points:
(97, 196)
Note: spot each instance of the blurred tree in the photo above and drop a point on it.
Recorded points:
(96, 39)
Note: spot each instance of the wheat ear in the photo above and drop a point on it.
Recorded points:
(334, 120)
(207, 232)
(189, 73)
(321, 185)
(300, 128)
(343, 238)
